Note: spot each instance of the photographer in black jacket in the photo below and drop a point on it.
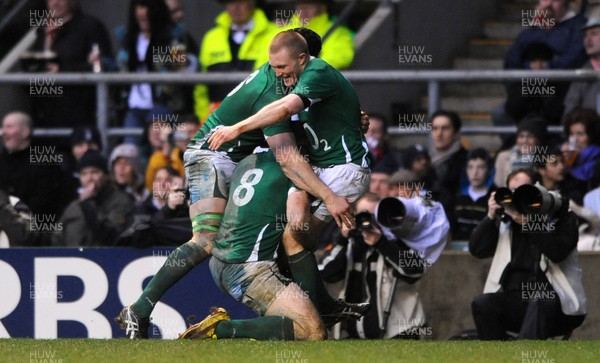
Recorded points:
(534, 285)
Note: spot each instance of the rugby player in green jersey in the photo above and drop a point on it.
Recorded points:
(338, 150)
(243, 261)
(208, 175)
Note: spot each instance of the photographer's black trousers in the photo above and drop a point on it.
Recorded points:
(515, 311)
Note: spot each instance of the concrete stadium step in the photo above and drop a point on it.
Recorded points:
(474, 89)
(467, 104)
(489, 48)
(478, 63)
(502, 30)
(513, 11)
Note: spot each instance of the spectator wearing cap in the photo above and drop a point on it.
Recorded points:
(416, 159)
(587, 94)
(83, 138)
(167, 155)
(472, 202)
(338, 47)
(126, 171)
(448, 158)
(531, 133)
(30, 172)
(238, 42)
(381, 153)
(100, 213)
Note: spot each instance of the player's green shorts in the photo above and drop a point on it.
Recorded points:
(256, 284)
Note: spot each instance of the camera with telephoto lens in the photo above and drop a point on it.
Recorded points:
(535, 199)
(532, 199)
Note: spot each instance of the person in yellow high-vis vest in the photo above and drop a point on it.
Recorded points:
(239, 42)
(338, 48)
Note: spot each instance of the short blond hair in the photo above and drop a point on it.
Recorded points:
(290, 40)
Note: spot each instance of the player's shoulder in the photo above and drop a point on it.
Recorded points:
(319, 68)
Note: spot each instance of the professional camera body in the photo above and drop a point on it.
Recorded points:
(533, 199)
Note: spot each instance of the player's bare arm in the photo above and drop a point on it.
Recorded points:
(271, 114)
(299, 171)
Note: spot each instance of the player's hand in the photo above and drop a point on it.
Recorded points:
(339, 208)
(364, 122)
(221, 136)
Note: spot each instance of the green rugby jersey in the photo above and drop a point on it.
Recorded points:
(257, 90)
(332, 123)
(254, 219)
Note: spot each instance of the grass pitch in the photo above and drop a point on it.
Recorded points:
(213, 351)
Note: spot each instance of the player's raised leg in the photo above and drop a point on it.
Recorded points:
(208, 176)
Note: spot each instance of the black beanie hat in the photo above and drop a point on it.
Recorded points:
(93, 158)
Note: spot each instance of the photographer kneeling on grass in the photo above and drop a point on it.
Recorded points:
(380, 262)
(534, 286)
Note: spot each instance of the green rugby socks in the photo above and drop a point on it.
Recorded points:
(262, 328)
(181, 261)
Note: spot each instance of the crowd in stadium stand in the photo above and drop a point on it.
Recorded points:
(137, 196)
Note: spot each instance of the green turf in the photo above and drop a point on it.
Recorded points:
(213, 351)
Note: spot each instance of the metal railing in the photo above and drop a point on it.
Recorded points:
(433, 78)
